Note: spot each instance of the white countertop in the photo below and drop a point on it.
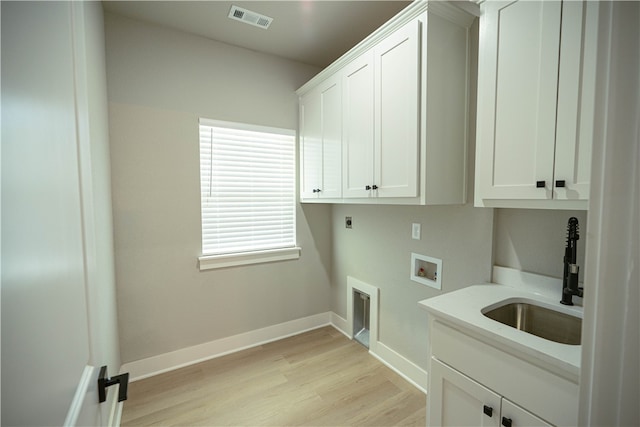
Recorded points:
(463, 308)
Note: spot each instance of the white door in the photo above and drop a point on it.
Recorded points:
(517, 90)
(57, 270)
(397, 118)
(456, 400)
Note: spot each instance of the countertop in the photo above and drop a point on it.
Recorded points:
(463, 308)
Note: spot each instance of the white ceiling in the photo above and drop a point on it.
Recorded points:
(315, 32)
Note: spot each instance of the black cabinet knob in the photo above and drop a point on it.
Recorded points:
(368, 187)
(540, 184)
(506, 422)
(375, 187)
(488, 411)
(560, 183)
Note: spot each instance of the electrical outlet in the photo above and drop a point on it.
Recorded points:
(348, 222)
(415, 231)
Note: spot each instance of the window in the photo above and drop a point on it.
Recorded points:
(248, 199)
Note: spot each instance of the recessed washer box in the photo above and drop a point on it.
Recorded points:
(426, 270)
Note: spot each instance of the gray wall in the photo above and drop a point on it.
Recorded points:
(377, 250)
(534, 240)
(160, 81)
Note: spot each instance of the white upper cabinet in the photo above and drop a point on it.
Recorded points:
(397, 112)
(576, 100)
(321, 140)
(381, 110)
(357, 143)
(310, 144)
(404, 112)
(518, 81)
(535, 103)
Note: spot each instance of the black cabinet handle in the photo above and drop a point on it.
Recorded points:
(506, 422)
(560, 183)
(368, 187)
(540, 184)
(488, 411)
(375, 187)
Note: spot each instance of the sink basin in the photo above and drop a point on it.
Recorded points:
(540, 321)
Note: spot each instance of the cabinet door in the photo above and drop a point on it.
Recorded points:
(517, 89)
(331, 105)
(310, 144)
(515, 416)
(358, 127)
(456, 400)
(576, 100)
(397, 112)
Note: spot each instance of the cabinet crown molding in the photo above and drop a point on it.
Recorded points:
(445, 9)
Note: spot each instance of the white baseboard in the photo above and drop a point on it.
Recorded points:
(399, 364)
(340, 323)
(402, 366)
(155, 365)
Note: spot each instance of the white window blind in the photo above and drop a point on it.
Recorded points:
(247, 180)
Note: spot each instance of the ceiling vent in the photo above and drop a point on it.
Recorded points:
(249, 17)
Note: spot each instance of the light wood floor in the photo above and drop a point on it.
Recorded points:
(317, 378)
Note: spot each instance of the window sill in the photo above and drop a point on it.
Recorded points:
(209, 262)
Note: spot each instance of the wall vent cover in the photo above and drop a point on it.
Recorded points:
(249, 17)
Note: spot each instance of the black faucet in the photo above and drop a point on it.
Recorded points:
(570, 276)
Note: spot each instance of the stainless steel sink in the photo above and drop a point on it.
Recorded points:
(540, 321)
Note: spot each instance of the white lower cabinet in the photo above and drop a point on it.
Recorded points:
(475, 381)
(513, 415)
(457, 400)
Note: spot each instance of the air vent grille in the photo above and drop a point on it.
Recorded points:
(249, 17)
